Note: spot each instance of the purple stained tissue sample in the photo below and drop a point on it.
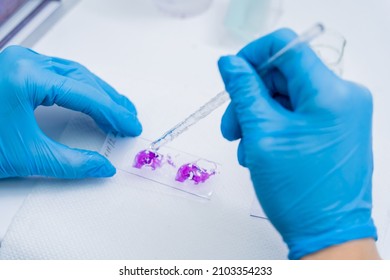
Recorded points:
(191, 171)
(187, 172)
(148, 158)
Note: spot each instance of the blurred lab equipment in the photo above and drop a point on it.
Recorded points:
(249, 19)
(330, 48)
(183, 8)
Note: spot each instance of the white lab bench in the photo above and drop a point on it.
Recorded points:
(167, 66)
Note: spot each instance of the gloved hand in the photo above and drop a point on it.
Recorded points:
(27, 80)
(306, 139)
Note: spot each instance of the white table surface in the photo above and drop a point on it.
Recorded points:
(139, 50)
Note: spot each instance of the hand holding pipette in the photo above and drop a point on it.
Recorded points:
(223, 96)
(310, 162)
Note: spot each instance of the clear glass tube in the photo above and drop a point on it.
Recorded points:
(330, 48)
(199, 114)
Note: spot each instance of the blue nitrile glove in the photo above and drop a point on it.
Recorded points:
(27, 80)
(306, 139)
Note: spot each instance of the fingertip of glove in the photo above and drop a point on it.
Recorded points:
(224, 130)
(106, 170)
(228, 62)
(229, 129)
(223, 60)
(241, 155)
(138, 129)
(231, 66)
(129, 105)
(133, 126)
(99, 166)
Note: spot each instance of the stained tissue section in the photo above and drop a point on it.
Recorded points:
(193, 172)
(148, 158)
(187, 172)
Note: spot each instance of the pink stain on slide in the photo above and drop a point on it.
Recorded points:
(192, 172)
(148, 158)
(187, 172)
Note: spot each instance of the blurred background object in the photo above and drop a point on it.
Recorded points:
(8, 7)
(17, 16)
(183, 8)
(330, 48)
(249, 19)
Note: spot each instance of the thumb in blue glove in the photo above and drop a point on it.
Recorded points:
(306, 139)
(27, 80)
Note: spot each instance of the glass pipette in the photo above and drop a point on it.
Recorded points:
(223, 96)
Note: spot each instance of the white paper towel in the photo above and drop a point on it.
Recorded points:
(137, 219)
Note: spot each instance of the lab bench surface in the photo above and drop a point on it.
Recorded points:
(161, 62)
